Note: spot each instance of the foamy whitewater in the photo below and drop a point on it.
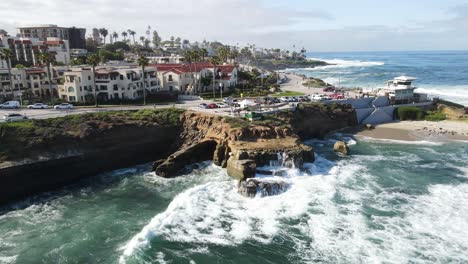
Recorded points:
(441, 74)
(389, 202)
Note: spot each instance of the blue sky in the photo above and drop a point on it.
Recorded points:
(331, 25)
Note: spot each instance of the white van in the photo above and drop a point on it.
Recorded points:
(10, 105)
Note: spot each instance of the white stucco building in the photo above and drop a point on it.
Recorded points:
(112, 83)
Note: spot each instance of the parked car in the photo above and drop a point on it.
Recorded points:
(221, 105)
(337, 96)
(10, 105)
(285, 99)
(212, 106)
(329, 89)
(14, 117)
(203, 105)
(38, 106)
(317, 97)
(63, 106)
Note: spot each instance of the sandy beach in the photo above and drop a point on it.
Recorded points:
(417, 131)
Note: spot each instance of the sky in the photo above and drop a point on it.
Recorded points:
(317, 25)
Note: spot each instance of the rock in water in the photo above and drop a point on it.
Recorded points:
(341, 147)
(241, 169)
(252, 187)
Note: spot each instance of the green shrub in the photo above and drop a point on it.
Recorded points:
(435, 116)
(410, 113)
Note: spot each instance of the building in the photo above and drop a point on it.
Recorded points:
(401, 91)
(113, 83)
(75, 36)
(26, 50)
(29, 83)
(186, 78)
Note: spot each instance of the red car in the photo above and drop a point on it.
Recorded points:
(329, 89)
(211, 106)
(337, 96)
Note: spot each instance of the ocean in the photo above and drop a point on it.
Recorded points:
(389, 202)
(441, 74)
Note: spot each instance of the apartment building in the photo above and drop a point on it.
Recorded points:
(29, 83)
(26, 50)
(112, 83)
(76, 37)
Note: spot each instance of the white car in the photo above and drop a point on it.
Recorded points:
(317, 97)
(38, 106)
(221, 105)
(285, 99)
(63, 106)
(10, 105)
(14, 117)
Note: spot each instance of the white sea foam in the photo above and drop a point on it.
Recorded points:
(330, 225)
(455, 93)
(403, 142)
(337, 63)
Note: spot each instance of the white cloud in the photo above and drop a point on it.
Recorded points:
(241, 21)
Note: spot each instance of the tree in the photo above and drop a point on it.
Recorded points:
(156, 39)
(233, 54)
(215, 60)
(103, 33)
(142, 39)
(223, 53)
(115, 35)
(47, 59)
(203, 54)
(124, 35)
(132, 33)
(172, 41)
(143, 62)
(7, 54)
(93, 60)
(91, 45)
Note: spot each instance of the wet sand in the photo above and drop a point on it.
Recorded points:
(416, 131)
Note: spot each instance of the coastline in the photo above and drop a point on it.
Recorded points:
(412, 131)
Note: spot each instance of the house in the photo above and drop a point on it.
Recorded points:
(28, 83)
(186, 78)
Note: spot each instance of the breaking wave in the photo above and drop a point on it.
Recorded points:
(338, 213)
(337, 63)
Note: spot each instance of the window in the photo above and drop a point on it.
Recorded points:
(89, 78)
(102, 87)
(71, 98)
(116, 87)
(121, 77)
(170, 77)
(81, 89)
(71, 89)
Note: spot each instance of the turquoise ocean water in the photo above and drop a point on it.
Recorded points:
(387, 203)
(441, 74)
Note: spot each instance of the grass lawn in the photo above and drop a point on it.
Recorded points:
(288, 93)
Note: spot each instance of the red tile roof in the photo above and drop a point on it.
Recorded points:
(35, 71)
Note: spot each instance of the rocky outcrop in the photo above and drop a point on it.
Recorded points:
(254, 187)
(241, 170)
(234, 140)
(341, 148)
(232, 145)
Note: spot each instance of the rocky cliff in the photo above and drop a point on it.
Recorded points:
(39, 155)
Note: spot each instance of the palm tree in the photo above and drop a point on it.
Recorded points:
(93, 60)
(103, 33)
(47, 59)
(196, 59)
(132, 33)
(115, 35)
(143, 62)
(215, 61)
(6, 54)
(203, 53)
(125, 34)
(142, 39)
